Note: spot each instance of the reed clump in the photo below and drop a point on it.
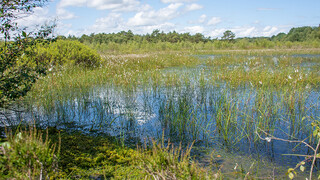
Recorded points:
(169, 162)
(26, 155)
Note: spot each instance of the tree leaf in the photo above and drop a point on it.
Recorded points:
(291, 175)
(290, 170)
(302, 168)
(24, 34)
(315, 132)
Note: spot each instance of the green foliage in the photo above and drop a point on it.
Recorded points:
(228, 35)
(25, 155)
(63, 52)
(169, 162)
(316, 131)
(26, 59)
(156, 36)
(299, 34)
(18, 69)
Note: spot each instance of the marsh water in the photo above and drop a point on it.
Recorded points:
(186, 106)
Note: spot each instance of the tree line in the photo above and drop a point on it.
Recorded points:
(297, 34)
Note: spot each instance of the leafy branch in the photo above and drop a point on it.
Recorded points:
(291, 171)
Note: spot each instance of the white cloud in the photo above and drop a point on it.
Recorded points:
(147, 18)
(114, 22)
(177, 1)
(111, 23)
(152, 17)
(248, 31)
(193, 7)
(63, 29)
(214, 21)
(115, 5)
(217, 32)
(202, 18)
(269, 31)
(65, 3)
(64, 14)
(243, 31)
(39, 16)
(194, 29)
(166, 27)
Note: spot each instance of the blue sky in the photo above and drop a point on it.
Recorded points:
(246, 18)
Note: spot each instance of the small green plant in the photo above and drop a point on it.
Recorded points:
(25, 155)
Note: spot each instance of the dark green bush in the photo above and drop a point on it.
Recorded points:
(64, 52)
(18, 69)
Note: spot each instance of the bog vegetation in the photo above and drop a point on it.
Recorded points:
(158, 106)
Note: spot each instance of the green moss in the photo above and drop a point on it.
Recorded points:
(86, 157)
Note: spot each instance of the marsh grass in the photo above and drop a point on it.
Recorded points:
(170, 162)
(268, 71)
(218, 101)
(208, 47)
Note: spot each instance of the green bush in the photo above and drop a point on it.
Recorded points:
(18, 69)
(26, 156)
(65, 52)
(23, 61)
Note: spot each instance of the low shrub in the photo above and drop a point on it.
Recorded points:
(66, 52)
(23, 61)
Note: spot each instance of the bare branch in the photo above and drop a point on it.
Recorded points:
(270, 137)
